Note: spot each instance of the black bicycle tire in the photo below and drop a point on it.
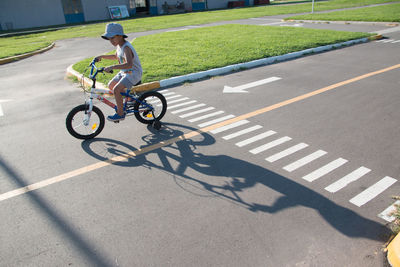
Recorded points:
(141, 98)
(77, 109)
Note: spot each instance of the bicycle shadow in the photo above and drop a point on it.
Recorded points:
(235, 176)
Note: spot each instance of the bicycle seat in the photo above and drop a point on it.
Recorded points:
(133, 87)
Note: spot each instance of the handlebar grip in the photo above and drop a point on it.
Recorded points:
(102, 70)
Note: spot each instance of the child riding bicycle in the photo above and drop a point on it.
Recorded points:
(129, 65)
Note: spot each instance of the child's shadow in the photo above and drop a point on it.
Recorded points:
(237, 175)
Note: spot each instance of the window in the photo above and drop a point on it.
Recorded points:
(72, 6)
(140, 3)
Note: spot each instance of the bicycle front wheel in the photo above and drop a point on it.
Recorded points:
(150, 106)
(82, 125)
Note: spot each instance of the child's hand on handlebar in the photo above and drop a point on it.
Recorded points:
(108, 69)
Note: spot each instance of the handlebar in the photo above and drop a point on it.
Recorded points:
(93, 65)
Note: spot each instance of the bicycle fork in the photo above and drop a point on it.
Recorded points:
(88, 112)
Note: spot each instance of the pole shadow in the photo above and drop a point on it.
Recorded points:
(90, 251)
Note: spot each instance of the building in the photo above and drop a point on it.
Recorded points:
(20, 14)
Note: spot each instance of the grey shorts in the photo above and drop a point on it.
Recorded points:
(122, 78)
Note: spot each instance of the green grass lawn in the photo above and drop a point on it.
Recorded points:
(386, 13)
(172, 54)
(10, 46)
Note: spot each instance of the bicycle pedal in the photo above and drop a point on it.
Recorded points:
(116, 121)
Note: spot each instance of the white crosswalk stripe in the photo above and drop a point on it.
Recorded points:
(255, 138)
(388, 41)
(351, 177)
(188, 108)
(324, 170)
(303, 161)
(230, 126)
(169, 93)
(196, 112)
(182, 104)
(242, 132)
(207, 116)
(387, 214)
(172, 97)
(216, 121)
(269, 145)
(372, 191)
(286, 152)
(175, 101)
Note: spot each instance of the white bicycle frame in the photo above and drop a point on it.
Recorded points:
(98, 94)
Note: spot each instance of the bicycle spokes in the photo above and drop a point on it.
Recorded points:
(150, 107)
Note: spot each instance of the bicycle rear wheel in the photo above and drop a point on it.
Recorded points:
(76, 125)
(150, 107)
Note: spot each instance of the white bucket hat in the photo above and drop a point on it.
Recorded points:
(113, 29)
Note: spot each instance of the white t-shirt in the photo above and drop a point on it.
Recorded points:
(134, 74)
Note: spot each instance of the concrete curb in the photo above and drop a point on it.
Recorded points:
(390, 24)
(15, 58)
(227, 69)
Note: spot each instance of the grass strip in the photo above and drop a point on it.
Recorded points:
(395, 225)
(386, 13)
(173, 54)
(15, 45)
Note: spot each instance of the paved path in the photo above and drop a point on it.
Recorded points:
(220, 197)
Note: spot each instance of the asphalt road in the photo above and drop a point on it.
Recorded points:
(217, 198)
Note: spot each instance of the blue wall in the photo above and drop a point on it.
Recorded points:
(153, 10)
(74, 18)
(198, 6)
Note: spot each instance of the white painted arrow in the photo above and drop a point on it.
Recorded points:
(242, 88)
(1, 109)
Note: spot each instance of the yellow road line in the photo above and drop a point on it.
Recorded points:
(189, 135)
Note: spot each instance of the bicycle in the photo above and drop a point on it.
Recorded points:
(86, 121)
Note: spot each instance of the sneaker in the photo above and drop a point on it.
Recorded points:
(116, 117)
